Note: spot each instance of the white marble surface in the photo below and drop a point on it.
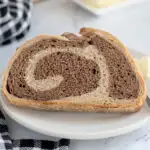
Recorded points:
(131, 25)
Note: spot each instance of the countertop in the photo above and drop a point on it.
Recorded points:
(130, 24)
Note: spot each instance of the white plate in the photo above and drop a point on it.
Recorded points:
(78, 125)
(101, 11)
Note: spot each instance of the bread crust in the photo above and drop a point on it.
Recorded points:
(66, 105)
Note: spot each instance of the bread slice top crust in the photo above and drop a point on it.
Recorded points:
(108, 78)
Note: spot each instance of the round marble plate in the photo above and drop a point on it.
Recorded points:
(78, 125)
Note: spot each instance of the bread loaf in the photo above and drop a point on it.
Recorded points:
(93, 72)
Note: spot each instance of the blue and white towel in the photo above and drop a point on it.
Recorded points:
(15, 16)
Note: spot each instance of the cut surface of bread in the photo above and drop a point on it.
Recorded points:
(93, 72)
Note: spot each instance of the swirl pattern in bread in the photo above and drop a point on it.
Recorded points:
(93, 72)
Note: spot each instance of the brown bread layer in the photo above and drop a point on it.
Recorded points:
(123, 82)
(70, 36)
(80, 75)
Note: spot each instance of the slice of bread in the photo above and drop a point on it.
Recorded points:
(93, 72)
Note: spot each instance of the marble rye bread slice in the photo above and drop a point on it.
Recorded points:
(93, 72)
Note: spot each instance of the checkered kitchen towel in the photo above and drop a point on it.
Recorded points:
(14, 19)
(6, 143)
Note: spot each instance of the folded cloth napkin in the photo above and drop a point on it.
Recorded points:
(6, 143)
(15, 18)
